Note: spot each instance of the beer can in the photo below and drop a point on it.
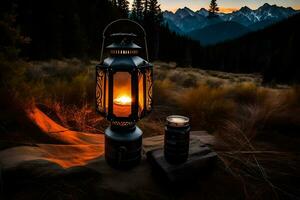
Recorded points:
(177, 139)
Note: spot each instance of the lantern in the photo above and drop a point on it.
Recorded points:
(123, 92)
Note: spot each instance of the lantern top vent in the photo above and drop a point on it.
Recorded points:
(123, 44)
(124, 37)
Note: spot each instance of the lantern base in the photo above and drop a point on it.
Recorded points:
(123, 147)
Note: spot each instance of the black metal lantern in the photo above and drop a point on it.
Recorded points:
(123, 92)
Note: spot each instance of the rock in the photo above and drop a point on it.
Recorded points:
(200, 161)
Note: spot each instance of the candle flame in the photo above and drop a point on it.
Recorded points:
(123, 100)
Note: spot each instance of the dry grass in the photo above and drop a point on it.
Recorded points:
(207, 107)
(211, 99)
(258, 153)
(79, 118)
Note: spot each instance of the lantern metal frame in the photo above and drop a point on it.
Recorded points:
(105, 71)
(123, 139)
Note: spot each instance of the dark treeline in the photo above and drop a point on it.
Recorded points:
(73, 28)
(33, 29)
(56, 29)
(273, 52)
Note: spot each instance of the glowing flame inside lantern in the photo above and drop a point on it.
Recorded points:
(123, 101)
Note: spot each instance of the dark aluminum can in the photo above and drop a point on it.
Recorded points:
(177, 139)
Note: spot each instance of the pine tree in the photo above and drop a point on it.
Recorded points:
(153, 12)
(146, 7)
(153, 20)
(137, 10)
(123, 6)
(213, 8)
(114, 2)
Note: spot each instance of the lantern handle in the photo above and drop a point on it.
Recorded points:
(120, 20)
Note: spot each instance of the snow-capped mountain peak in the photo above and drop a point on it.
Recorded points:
(184, 20)
(265, 6)
(184, 12)
(203, 12)
(244, 9)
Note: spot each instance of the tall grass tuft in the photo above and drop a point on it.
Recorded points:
(206, 106)
(163, 92)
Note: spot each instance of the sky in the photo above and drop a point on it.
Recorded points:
(225, 5)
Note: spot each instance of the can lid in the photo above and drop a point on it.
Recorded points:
(177, 121)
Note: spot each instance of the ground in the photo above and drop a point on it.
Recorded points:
(256, 128)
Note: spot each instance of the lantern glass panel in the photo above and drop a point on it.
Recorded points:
(141, 93)
(100, 90)
(122, 99)
(149, 89)
(106, 92)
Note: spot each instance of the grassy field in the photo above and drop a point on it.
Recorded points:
(256, 127)
(214, 101)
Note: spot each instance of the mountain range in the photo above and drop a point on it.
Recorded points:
(224, 26)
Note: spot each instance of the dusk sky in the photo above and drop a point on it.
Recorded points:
(225, 5)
